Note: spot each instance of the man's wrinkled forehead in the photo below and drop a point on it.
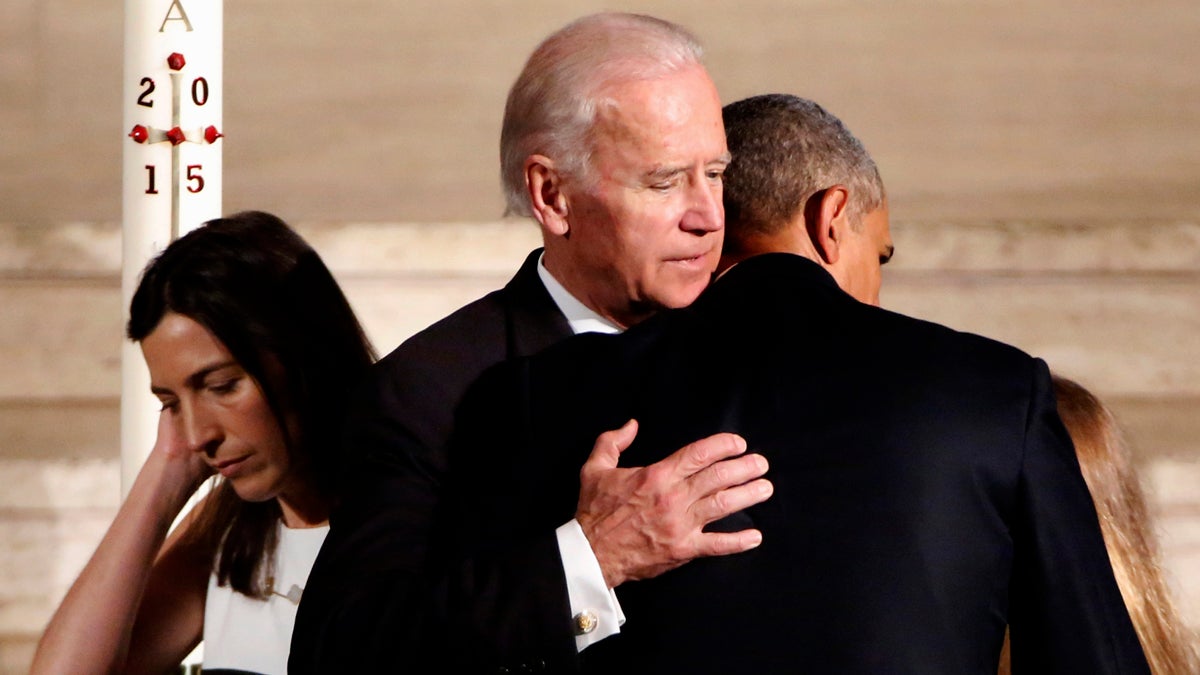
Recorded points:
(679, 99)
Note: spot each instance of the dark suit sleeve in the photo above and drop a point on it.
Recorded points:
(1066, 614)
(391, 590)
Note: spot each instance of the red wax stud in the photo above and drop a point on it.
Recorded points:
(176, 61)
(175, 135)
(139, 133)
(211, 134)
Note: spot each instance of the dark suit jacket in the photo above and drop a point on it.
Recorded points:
(381, 596)
(926, 493)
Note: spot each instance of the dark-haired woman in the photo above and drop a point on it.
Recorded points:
(252, 350)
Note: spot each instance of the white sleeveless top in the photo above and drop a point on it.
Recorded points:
(252, 635)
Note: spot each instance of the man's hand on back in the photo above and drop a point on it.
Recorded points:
(644, 521)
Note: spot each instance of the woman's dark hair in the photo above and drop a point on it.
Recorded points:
(267, 296)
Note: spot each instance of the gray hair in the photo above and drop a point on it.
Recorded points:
(552, 105)
(786, 149)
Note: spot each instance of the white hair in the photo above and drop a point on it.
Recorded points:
(552, 106)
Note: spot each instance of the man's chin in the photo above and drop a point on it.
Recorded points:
(685, 295)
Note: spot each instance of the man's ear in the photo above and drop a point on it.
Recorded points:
(544, 183)
(826, 218)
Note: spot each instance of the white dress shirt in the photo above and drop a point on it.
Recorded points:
(594, 605)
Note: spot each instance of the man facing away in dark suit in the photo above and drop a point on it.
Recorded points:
(613, 142)
(926, 493)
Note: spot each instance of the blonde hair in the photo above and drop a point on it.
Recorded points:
(1132, 547)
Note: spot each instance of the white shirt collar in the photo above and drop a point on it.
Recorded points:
(581, 318)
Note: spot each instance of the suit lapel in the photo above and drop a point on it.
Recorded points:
(534, 321)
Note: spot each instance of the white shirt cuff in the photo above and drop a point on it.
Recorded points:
(595, 611)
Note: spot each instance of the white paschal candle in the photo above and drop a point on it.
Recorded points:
(172, 166)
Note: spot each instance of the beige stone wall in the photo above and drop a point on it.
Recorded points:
(1043, 164)
(372, 110)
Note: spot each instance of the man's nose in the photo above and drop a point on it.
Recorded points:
(705, 213)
